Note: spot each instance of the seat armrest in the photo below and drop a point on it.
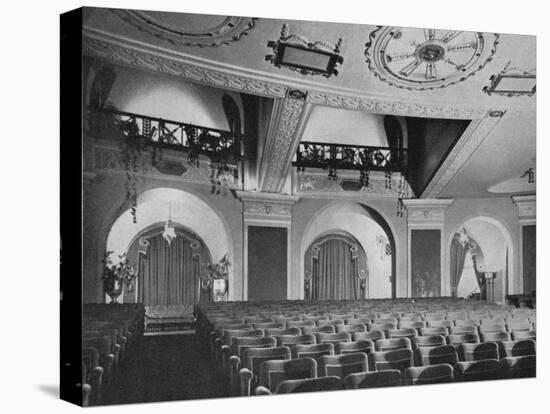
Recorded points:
(261, 390)
(245, 376)
(226, 354)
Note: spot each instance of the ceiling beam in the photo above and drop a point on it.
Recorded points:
(470, 140)
(286, 126)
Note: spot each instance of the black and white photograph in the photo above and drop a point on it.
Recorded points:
(269, 208)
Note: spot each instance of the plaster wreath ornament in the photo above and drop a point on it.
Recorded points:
(116, 275)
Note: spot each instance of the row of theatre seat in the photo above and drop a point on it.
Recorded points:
(108, 336)
(252, 343)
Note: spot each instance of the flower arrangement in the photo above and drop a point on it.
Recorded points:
(219, 270)
(116, 275)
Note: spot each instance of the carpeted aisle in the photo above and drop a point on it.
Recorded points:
(165, 368)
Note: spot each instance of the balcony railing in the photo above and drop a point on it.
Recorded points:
(350, 157)
(217, 144)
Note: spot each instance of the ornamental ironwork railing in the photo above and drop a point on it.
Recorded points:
(350, 157)
(217, 144)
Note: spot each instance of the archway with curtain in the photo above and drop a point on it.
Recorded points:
(170, 273)
(336, 268)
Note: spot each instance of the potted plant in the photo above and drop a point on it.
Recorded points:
(116, 275)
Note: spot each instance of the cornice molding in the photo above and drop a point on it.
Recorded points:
(426, 212)
(527, 206)
(266, 205)
(470, 140)
(131, 53)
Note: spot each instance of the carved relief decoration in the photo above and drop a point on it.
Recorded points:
(426, 211)
(225, 30)
(424, 59)
(264, 208)
(280, 144)
(156, 63)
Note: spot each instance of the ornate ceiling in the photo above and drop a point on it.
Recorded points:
(429, 73)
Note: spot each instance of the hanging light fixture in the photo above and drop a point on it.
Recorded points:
(169, 232)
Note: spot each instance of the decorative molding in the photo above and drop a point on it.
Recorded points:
(511, 73)
(527, 206)
(107, 159)
(229, 30)
(127, 52)
(312, 183)
(394, 106)
(266, 205)
(131, 55)
(285, 130)
(426, 212)
(470, 140)
(427, 50)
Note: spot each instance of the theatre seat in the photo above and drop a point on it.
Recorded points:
(431, 374)
(477, 352)
(519, 367)
(371, 336)
(363, 345)
(486, 369)
(456, 340)
(399, 359)
(443, 354)
(434, 331)
(409, 333)
(310, 385)
(249, 367)
(522, 347)
(324, 338)
(463, 329)
(351, 328)
(384, 378)
(272, 373)
(342, 365)
(314, 351)
(284, 331)
(311, 330)
(392, 344)
(518, 335)
(291, 340)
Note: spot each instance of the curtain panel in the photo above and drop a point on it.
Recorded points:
(335, 272)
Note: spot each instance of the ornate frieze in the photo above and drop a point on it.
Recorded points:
(154, 61)
(527, 207)
(266, 205)
(285, 130)
(426, 212)
(470, 140)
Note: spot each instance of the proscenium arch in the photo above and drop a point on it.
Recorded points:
(505, 231)
(214, 230)
(375, 215)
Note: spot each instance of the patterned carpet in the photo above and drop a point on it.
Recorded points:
(165, 368)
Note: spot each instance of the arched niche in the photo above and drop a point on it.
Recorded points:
(187, 211)
(496, 248)
(365, 224)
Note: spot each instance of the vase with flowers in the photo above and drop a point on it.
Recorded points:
(116, 275)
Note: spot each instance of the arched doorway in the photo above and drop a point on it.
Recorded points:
(169, 273)
(336, 268)
(481, 244)
(373, 233)
(188, 212)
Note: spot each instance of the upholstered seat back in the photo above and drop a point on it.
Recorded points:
(310, 385)
(342, 365)
(383, 378)
(272, 373)
(432, 374)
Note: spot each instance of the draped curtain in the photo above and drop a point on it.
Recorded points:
(458, 255)
(169, 274)
(335, 274)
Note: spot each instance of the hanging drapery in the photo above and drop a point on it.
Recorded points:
(458, 255)
(170, 274)
(334, 266)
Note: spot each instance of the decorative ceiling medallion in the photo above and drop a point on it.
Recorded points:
(298, 54)
(177, 29)
(512, 81)
(423, 59)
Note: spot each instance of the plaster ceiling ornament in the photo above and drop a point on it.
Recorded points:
(512, 81)
(188, 29)
(424, 59)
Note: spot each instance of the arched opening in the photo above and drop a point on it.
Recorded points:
(372, 233)
(336, 268)
(169, 273)
(192, 217)
(482, 245)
